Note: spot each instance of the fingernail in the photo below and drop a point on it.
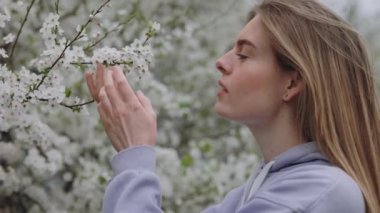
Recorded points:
(117, 72)
(114, 68)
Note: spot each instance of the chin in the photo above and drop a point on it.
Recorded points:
(221, 111)
(232, 115)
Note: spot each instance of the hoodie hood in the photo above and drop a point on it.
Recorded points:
(303, 153)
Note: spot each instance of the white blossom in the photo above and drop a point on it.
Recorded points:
(9, 38)
(10, 181)
(3, 53)
(9, 152)
(4, 16)
(156, 26)
(51, 30)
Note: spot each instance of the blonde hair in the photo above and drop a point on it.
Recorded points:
(339, 108)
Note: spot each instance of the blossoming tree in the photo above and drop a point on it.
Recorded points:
(54, 155)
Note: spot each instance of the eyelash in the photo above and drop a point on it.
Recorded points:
(241, 57)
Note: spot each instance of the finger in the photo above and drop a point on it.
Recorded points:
(145, 102)
(100, 72)
(142, 99)
(105, 102)
(111, 92)
(125, 90)
(91, 85)
(116, 143)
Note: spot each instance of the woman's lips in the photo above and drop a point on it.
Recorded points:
(222, 86)
(223, 90)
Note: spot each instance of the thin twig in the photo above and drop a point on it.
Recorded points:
(101, 39)
(81, 63)
(146, 40)
(107, 64)
(109, 32)
(74, 106)
(19, 32)
(57, 6)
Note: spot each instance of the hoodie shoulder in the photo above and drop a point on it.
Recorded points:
(312, 188)
(343, 196)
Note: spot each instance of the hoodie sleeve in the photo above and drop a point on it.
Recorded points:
(135, 187)
(229, 204)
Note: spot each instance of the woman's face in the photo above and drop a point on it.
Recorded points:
(252, 84)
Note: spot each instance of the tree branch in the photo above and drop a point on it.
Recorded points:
(109, 32)
(57, 6)
(47, 70)
(19, 33)
(71, 43)
(74, 106)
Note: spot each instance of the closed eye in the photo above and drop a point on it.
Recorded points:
(241, 56)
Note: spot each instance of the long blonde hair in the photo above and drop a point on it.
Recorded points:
(339, 108)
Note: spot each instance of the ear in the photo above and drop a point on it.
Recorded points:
(295, 85)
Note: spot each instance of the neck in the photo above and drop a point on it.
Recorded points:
(278, 135)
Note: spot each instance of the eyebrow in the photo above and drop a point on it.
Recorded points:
(242, 42)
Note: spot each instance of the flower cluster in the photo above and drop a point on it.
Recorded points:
(38, 161)
(4, 17)
(135, 57)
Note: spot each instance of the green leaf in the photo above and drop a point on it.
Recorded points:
(68, 92)
(184, 105)
(187, 161)
(76, 109)
(206, 147)
(102, 180)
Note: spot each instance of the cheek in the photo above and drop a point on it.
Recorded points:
(254, 85)
(257, 97)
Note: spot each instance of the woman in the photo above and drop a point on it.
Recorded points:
(300, 79)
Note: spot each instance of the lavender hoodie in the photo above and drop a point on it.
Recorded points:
(298, 180)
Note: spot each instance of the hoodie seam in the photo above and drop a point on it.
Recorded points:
(307, 207)
(323, 194)
(282, 175)
(276, 203)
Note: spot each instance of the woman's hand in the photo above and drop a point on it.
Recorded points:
(128, 117)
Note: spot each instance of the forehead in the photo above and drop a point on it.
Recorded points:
(253, 31)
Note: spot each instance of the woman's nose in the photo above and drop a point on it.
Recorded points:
(223, 65)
